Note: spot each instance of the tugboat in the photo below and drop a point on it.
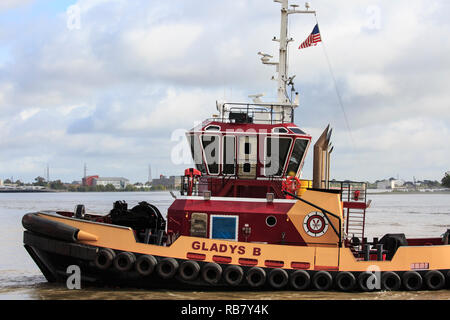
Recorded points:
(244, 219)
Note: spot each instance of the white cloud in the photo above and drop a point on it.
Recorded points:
(10, 4)
(112, 91)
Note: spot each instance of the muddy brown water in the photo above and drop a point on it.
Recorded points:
(416, 215)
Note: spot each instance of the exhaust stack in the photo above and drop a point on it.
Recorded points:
(321, 164)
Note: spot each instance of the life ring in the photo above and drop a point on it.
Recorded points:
(211, 272)
(278, 278)
(356, 195)
(412, 280)
(292, 184)
(189, 270)
(104, 258)
(167, 268)
(300, 280)
(390, 281)
(146, 264)
(345, 281)
(124, 261)
(322, 280)
(233, 275)
(256, 277)
(434, 280)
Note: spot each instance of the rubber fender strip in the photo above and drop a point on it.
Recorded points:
(54, 229)
(74, 250)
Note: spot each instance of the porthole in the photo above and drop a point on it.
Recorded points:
(271, 221)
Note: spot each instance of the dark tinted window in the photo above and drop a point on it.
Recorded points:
(247, 148)
(280, 130)
(211, 148)
(297, 155)
(297, 130)
(229, 155)
(196, 152)
(277, 150)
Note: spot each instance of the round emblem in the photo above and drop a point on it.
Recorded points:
(315, 224)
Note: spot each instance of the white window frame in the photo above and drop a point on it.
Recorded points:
(219, 151)
(211, 225)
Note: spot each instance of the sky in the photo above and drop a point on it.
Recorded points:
(115, 83)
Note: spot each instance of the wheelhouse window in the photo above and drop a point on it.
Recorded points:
(212, 128)
(211, 147)
(297, 130)
(277, 150)
(279, 130)
(196, 151)
(229, 155)
(297, 155)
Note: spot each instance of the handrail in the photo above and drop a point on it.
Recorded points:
(325, 212)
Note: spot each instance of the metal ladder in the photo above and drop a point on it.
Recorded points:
(354, 198)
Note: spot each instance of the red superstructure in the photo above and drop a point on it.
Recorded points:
(243, 159)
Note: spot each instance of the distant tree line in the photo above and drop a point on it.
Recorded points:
(61, 186)
(446, 181)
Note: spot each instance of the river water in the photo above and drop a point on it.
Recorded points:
(416, 215)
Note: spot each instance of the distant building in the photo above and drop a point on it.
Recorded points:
(395, 184)
(1, 183)
(384, 184)
(172, 182)
(118, 183)
(89, 181)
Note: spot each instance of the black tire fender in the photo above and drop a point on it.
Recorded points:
(412, 280)
(145, 265)
(233, 275)
(189, 270)
(363, 278)
(212, 272)
(322, 280)
(448, 279)
(256, 277)
(345, 281)
(104, 258)
(390, 281)
(167, 268)
(300, 280)
(124, 261)
(435, 280)
(278, 278)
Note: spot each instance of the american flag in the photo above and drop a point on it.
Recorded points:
(313, 38)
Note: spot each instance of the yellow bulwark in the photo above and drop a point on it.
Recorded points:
(299, 212)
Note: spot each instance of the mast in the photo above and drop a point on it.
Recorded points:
(282, 65)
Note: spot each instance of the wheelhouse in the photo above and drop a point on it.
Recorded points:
(245, 147)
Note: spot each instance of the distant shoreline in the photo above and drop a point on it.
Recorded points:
(28, 191)
(409, 192)
(67, 191)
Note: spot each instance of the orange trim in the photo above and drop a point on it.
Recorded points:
(86, 236)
